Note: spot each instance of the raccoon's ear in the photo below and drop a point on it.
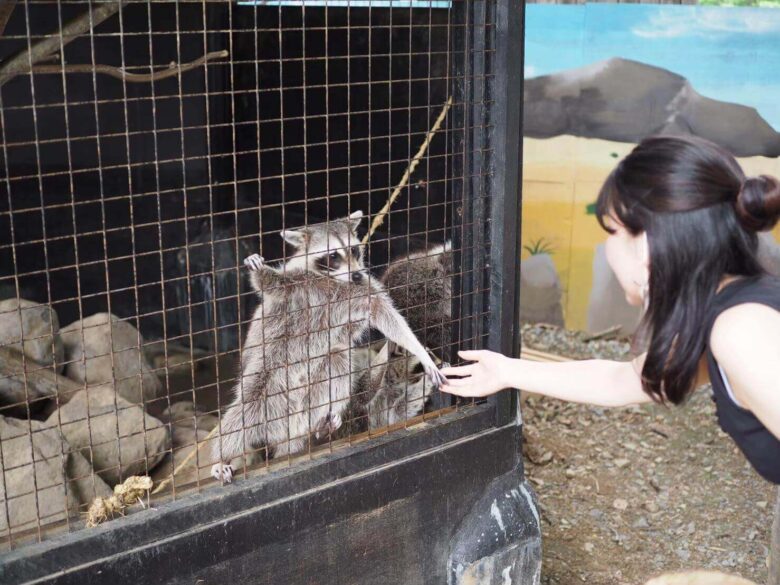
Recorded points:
(296, 238)
(355, 218)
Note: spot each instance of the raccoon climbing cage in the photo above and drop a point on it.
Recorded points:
(153, 153)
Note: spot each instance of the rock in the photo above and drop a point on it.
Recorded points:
(118, 437)
(540, 289)
(683, 553)
(40, 491)
(88, 347)
(182, 417)
(600, 100)
(34, 328)
(651, 506)
(28, 385)
(38, 325)
(620, 504)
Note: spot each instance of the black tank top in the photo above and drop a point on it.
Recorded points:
(759, 446)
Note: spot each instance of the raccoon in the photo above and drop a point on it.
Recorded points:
(401, 388)
(420, 285)
(296, 365)
(389, 386)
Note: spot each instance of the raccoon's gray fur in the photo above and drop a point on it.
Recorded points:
(296, 365)
(420, 285)
(401, 390)
(389, 386)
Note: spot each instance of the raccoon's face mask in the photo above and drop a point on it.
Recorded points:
(331, 249)
(345, 264)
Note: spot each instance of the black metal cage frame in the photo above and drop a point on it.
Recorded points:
(216, 534)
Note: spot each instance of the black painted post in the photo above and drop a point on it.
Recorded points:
(504, 328)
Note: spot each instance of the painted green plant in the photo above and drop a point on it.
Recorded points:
(539, 246)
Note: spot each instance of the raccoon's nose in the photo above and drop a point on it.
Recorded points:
(357, 277)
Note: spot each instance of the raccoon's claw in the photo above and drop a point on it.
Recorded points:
(222, 472)
(335, 422)
(254, 262)
(330, 424)
(436, 377)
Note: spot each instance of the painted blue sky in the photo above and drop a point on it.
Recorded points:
(729, 54)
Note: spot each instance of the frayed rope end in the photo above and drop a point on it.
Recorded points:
(125, 494)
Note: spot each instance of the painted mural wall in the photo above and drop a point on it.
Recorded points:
(599, 78)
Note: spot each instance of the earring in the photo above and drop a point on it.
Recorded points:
(644, 293)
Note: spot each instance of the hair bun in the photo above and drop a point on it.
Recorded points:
(758, 203)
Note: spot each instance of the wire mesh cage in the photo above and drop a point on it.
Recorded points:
(237, 235)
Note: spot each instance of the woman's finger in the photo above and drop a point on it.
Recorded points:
(457, 370)
(471, 354)
(449, 388)
(459, 382)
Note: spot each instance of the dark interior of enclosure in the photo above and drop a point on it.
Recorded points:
(142, 200)
(108, 184)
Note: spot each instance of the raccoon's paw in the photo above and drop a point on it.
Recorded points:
(222, 472)
(335, 422)
(328, 425)
(254, 262)
(436, 377)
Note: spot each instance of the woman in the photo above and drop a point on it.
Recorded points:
(682, 220)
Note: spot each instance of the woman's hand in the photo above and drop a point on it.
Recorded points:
(489, 373)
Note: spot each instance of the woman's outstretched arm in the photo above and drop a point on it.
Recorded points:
(597, 382)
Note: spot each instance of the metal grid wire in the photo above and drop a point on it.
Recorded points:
(157, 145)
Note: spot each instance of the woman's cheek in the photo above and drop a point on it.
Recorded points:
(619, 261)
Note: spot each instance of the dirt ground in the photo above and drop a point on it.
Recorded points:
(629, 493)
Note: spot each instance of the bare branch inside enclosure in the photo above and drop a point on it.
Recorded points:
(171, 70)
(55, 41)
(6, 9)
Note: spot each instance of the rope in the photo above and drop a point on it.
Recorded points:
(125, 494)
(379, 218)
(164, 483)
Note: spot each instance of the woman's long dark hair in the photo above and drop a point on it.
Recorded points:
(701, 216)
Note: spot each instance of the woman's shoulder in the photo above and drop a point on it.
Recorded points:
(764, 288)
(744, 313)
(742, 299)
(743, 326)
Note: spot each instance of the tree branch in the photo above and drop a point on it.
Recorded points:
(171, 71)
(20, 63)
(6, 8)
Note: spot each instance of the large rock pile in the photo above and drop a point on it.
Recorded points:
(44, 479)
(89, 344)
(96, 432)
